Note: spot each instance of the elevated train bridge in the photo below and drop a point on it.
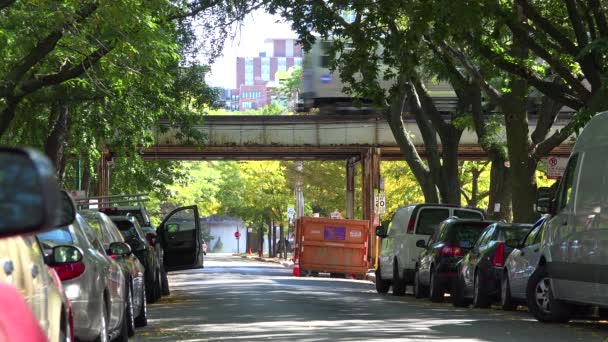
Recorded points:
(365, 139)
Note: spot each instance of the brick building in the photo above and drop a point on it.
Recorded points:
(255, 75)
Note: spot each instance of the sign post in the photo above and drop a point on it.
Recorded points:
(237, 235)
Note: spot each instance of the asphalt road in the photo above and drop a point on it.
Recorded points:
(240, 300)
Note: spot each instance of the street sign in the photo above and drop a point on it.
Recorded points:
(556, 167)
(237, 235)
(381, 203)
(291, 213)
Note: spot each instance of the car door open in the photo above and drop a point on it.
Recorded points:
(179, 235)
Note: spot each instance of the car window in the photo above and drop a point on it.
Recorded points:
(465, 234)
(112, 230)
(181, 221)
(443, 232)
(429, 219)
(565, 195)
(531, 238)
(468, 214)
(513, 236)
(487, 236)
(90, 233)
(94, 223)
(539, 235)
(61, 236)
(127, 229)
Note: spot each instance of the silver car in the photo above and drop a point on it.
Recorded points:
(95, 285)
(519, 266)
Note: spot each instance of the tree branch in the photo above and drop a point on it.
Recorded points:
(531, 13)
(33, 84)
(546, 118)
(429, 107)
(520, 31)
(577, 23)
(553, 141)
(41, 50)
(600, 17)
(557, 92)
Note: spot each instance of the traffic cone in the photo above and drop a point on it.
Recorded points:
(249, 251)
(296, 267)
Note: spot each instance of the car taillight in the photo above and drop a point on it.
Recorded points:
(70, 270)
(449, 250)
(411, 225)
(151, 239)
(499, 255)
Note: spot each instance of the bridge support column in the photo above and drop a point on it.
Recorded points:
(370, 160)
(350, 188)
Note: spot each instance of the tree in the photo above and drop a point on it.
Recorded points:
(290, 85)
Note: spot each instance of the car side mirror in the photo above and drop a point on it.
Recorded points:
(421, 244)
(119, 249)
(381, 232)
(65, 254)
(544, 200)
(172, 228)
(29, 193)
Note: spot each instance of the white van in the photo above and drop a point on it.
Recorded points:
(573, 267)
(398, 251)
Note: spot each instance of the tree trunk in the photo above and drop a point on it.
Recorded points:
(274, 239)
(269, 238)
(500, 189)
(449, 184)
(523, 178)
(56, 140)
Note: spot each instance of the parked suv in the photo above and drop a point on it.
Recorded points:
(573, 264)
(133, 234)
(436, 266)
(399, 254)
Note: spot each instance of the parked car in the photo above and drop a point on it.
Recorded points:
(134, 236)
(30, 202)
(93, 282)
(519, 266)
(398, 254)
(113, 242)
(573, 266)
(436, 265)
(479, 272)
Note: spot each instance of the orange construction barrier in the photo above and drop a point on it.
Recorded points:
(332, 246)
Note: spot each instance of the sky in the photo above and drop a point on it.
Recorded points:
(248, 42)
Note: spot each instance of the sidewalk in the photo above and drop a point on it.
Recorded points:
(285, 263)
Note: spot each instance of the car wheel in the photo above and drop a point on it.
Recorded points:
(159, 285)
(541, 302)
(458, 298)
(165, 281)
(398, 283)
(480, 298)
(436, 290)
(419, 290)
(129, 315)
(142, 318)
(150, 286)
(382, 285)
(103, 325)
(506, 302)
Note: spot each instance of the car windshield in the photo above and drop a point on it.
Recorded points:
(127, 229)
(466, 233)
(514, 236)
(61, 236)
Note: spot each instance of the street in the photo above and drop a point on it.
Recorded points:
(237, 299)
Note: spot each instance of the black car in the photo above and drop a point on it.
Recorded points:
(110, 237)
(436, 265)
(480, 271)
(136, 238)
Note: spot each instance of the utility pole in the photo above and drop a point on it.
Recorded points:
(299, 189)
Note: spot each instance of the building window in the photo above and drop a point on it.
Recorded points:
(297, 61)
(281, 64)
(248, 71)
(266, 69)
(325, 54)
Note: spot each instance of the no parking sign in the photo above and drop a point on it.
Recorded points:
(556, 167)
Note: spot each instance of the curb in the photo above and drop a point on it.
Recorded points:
(285, 263)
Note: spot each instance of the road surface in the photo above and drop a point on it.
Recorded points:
(240, 300)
